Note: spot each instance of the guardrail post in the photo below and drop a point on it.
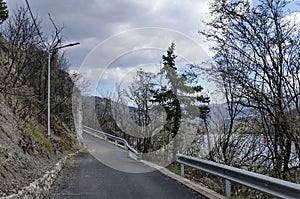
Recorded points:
(139, 156)
(228, 189)
(182, 170)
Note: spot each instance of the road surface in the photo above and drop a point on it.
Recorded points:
(84, 176)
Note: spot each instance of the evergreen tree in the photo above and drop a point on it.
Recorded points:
(3, 11)
(180, 99)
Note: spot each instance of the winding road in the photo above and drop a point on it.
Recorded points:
(105, 171)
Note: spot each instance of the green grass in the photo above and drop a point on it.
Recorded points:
(38, 137)
(43, 140)
(174, 170)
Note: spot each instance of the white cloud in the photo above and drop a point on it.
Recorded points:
(126, 75)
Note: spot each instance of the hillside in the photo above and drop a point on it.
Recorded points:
(25, 151)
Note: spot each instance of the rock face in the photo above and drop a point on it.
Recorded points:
(26, 153)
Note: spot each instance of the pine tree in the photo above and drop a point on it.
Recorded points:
(178, 97)
(3, 11)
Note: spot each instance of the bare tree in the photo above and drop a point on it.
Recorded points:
(140, 95)
(25, 69)
(22, 52)
(256, 51)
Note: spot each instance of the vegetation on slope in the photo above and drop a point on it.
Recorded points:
(26, 153)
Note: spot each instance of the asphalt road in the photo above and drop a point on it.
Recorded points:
(86, 176)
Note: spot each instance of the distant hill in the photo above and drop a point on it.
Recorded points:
(97, 113)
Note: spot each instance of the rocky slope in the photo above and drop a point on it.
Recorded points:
(25, 151)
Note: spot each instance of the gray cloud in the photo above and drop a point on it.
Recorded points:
(92, 22)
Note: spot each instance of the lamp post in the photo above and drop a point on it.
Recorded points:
(50, 50)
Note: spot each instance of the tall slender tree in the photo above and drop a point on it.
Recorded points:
(140, 94)
(178, 97)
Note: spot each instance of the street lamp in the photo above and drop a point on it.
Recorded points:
(50, 50)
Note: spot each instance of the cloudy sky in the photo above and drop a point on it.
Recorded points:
(126, 34)
(118, 37)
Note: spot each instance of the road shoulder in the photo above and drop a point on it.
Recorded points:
(197, 187)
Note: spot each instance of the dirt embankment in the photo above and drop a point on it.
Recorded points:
(25, 151)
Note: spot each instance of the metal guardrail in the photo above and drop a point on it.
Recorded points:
(273, 186)
(106, 136)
